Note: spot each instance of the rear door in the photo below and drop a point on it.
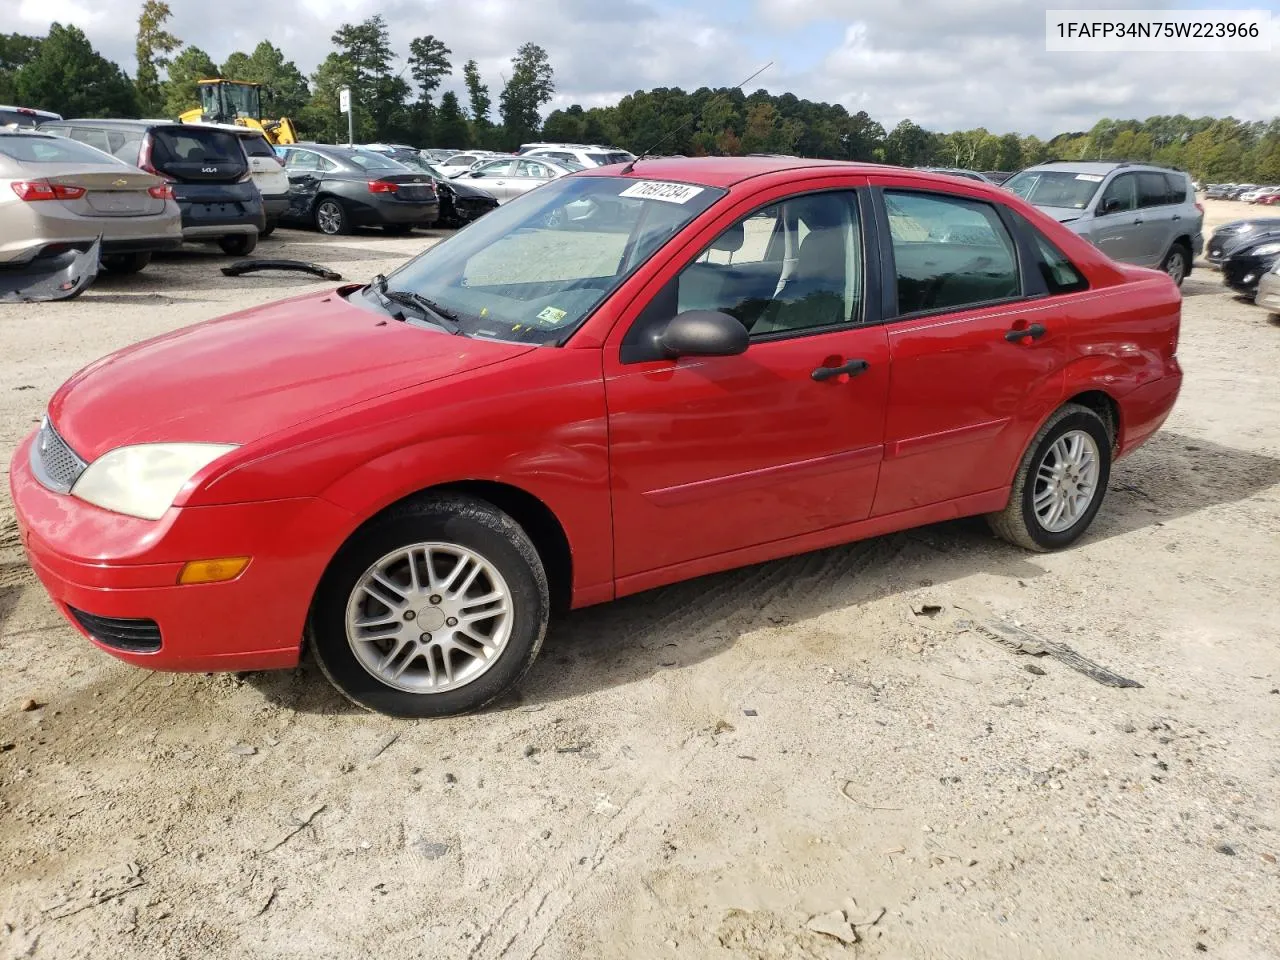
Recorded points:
(1157, 212)
(977, 349)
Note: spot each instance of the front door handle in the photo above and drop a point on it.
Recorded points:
(1137, 220)
(850, 369)
(1177, 216)
(1035, 331)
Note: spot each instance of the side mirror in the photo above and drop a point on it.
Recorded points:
(1110, 205)
(703, 333)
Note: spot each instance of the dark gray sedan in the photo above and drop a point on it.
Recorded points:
(336, 189)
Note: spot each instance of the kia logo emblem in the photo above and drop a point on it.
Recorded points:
(208, 169)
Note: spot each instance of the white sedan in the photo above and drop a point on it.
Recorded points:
(509, 177)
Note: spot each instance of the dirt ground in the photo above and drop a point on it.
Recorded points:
(703, 770)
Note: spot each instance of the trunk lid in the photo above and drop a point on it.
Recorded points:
(409, 186)
(111, 191)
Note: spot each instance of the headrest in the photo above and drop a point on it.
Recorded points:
(731, 240)
(821, 212)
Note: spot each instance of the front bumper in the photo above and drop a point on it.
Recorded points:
(1242, 274)
(274, 205)
(1268, 297)
(109, 566)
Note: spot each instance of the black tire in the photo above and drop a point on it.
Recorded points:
(126, 263)
(332, 218)
(269, 229)
(1179, 255)
(398, 229)
(469, 523)
(239, 244)
(1018, 522)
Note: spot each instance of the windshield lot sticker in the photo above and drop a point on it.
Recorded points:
(657, 190)
(1091, 177)
(552, 315)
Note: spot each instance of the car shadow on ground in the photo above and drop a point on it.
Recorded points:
(628, 640)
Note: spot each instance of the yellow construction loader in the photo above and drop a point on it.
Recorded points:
(235, 101)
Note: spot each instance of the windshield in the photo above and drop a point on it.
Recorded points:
(534, 269)
(1055, 188)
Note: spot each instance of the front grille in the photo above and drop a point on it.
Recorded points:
(54, 463)
(132, 636)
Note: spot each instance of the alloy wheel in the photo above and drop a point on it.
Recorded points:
(1066, 481)
(329, 217)
(1176, 266)
(429, 618)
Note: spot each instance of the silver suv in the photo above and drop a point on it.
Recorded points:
(1133, 212)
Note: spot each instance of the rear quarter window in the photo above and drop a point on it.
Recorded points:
(257, 147)
(51, 150)
(1153, 190)
(1178, 187)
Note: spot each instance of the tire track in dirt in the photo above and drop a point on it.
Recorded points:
(522, 927)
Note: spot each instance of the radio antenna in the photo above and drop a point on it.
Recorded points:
(631, 165)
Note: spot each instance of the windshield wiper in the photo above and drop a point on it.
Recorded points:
(429, 309)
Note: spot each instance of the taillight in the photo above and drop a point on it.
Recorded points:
(161, 192)
(1200, 206)
(383, 186)
(144, 156)
(33, 190)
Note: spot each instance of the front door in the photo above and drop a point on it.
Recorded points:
(1117, 228)
(715, 454)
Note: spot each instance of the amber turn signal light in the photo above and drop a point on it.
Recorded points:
(212, 571)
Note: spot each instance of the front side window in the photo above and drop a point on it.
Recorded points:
(536, 267)
(794, 265)
(1121, 195)
(949, 252)
(499, 168)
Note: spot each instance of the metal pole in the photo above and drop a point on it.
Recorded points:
(351, 125)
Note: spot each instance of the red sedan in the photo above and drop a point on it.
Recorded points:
(625, 378)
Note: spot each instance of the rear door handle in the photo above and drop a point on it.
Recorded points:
(850, 369)
(1177, 216)
(1138, 220)
(1035, 331)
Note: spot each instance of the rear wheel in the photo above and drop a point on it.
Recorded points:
(1060, 484)
(239, 244)
(1177, 263)
(125, 263)
(332, 218)
(269, 229)
(438, 607)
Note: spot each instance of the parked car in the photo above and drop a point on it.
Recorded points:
(957, 172)
(1245, 263)
(438, 156)
(266, 168)
(543, 413)
(1239, 190)
(25, 117)
(998, 176)
(1135, 213)
(1269, 198)
(206, 167)
(1228, 237)
(1217, 191)
(584, 156)
(460, 201)
(462, 162)
(1251, 196)
(509, 177)
(336, 189)
(1268, 295)
(56, 193)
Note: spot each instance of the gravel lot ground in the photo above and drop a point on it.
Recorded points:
(702, 770)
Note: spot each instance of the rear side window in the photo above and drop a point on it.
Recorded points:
(949, 252)
(257, 147)
(1059, 273)
(94, 138)
(1153, 190)
(27, 149)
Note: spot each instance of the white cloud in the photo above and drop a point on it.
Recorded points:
(943, 63)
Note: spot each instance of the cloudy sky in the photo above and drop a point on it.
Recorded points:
(946, 64)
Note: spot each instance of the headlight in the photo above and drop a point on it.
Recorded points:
(1266, 250)
(142, 480)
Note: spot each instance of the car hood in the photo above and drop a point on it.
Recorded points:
(1242, 244)
(466, 190)
(1062, 214)
(244, 376)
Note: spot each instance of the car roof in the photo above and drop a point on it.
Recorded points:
(727, 171)
(229, 127)
(1097, 166)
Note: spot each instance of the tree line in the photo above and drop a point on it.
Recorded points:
(63, 72)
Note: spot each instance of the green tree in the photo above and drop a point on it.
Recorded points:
(566, 126)
(1009, 156)
(429, 65)
(477, 94)
(154, 44)
(16, 50)
(759, 132)
(907, 145)
(321, 118)
(452, 130)
(187, 68)
(67, 75)
(531, 85)
(378, 97)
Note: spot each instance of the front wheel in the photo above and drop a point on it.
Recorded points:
(1060, 483)
(436, 608)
